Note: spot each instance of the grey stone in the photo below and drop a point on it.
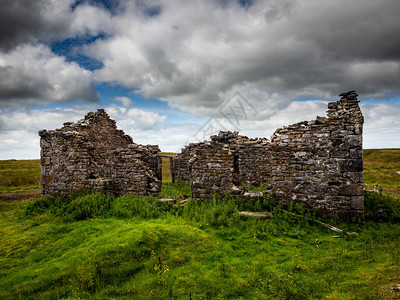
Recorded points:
(93, 154)
(351, 190)
(316, 163)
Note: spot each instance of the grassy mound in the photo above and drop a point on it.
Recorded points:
(100, 247)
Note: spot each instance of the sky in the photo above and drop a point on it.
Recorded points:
(177, 71)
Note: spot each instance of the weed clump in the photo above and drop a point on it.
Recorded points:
(381, 207)
(90, 206)
(149, 207)
(79, 206)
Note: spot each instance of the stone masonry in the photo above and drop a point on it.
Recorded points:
(319, 163)
(316, 163)
(249, 156)
(93, 154)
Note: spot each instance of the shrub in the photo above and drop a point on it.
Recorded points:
(91, 205)
(134, 205)
(55, 204)
(380, 206)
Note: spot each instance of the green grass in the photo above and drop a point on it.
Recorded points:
(381, 167)
(19, 174)
(166, 167)
(25, 174)
(95, 246)
(100, 247)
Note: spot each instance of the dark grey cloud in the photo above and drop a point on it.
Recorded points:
(192, 53)
(24, 21)
(30, 73)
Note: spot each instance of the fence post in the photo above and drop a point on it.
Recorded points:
(171, 164)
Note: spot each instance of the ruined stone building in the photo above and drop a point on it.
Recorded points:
(316, 163)
(92, 154)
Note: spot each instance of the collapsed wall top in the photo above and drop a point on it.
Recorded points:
(92, 154)
(316, 163)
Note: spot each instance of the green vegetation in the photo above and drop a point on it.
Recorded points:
(19, 174)
(100, 247)
(381, 206)
(382, 169)
(166, 167)
(96, 246)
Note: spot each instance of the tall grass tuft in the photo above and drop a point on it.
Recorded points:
(381, 206)
(91, 205)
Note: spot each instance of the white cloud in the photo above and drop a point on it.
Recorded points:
(19, 144)
(132, 120)
(193, 53)
(380, 116)
(125, 101)
(89, 19)
(196, 55)
(26, 21)
(33, 74)
(19, 129)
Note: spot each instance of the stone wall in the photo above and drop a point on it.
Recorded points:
(319, 163)
(93, 154)
(228, 162)
(212, 171)
(181, 162)
(316, 163)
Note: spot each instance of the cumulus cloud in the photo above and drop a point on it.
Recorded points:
(379, 116)
(33, 74)
(192, 53)
(30, 73)
(133, 119)
(19, 128)
(25, 21)
(125, 101)
(196, 55)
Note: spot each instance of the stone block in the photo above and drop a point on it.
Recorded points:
(47, 179)
(46, 161)
(340, 154)
(357, 202)
(351, 190)
(351, 165)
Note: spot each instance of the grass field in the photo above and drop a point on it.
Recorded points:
(94, 246)
(99, 247)
(382, 168)
(19, 174)
(166, 167)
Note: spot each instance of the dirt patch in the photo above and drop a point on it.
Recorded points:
(19, 195)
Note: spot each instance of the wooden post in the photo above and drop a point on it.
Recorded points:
(159, 168)
(171, 164)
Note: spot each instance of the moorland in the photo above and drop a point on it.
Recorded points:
(96, 246)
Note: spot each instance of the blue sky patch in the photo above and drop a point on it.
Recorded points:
(70, 48)
(110, 5)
